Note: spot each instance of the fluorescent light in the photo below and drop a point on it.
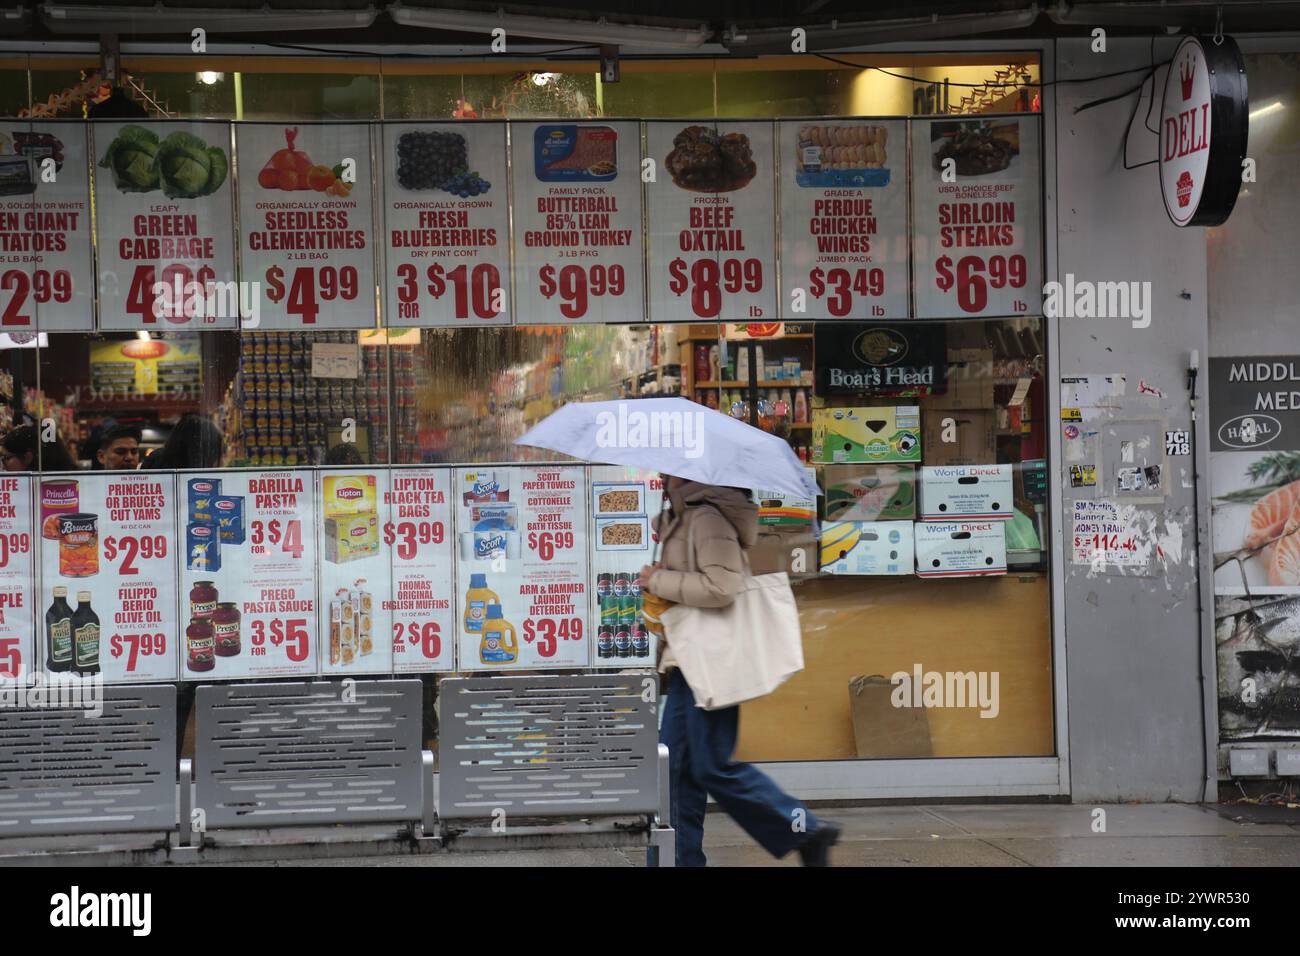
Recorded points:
(209, 77)
(74, 18)
(1265, 110)
(596, 32)
(142, 335)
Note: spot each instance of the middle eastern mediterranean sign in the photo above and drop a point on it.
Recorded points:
(976, 216)
(447, 225)
(712, 221)
(1255, 403)
(577, 206)
(108, 567)
(306, 220)
(46, 276)
(843, 234)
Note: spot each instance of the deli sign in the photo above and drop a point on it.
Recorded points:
(1203, 126)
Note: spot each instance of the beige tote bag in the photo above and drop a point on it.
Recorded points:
(732, 654)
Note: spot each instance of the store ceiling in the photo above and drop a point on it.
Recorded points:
(675, 26)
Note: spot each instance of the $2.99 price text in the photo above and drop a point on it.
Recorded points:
(40, 286)
(548, 632)
(132, 549)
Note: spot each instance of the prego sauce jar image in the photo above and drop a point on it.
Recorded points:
(203, 599)
(225, 625)
(201, 641)
(79, 545)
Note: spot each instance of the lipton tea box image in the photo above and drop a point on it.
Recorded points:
(351, 525)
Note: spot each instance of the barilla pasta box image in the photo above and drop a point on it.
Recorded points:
(859, 434)
(202, 546)
(201, 493)
(349, 494)
(867, 547)
(970, 492)
(485, 487)
(229, 512)
(870, 492)
(349, 537)
(958, 549)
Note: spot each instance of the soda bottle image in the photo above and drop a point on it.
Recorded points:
(58, 633)
(85, 636)
(605, 642)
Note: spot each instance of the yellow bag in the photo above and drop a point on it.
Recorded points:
(652, 607)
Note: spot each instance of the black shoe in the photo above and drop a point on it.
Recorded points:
(816, 850)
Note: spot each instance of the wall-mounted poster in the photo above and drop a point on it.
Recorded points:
(977, 232)
(577, 207)
(446, 233)
(843, 240)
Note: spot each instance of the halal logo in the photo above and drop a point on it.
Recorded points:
(1249, 431)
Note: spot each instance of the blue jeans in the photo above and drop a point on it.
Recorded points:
(700, 747)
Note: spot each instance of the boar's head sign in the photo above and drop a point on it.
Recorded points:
(1203, 126)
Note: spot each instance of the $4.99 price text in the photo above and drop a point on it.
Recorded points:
(548, 632)
(309, 286)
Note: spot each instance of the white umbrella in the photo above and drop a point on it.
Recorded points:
(675, 436)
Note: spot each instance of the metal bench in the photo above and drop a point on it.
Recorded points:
(306, 753)
(66, 771)
(513, 750)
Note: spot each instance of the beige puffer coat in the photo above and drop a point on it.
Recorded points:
(721, 531)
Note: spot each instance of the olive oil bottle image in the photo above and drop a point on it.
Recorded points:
(85, 636)
(58, 633)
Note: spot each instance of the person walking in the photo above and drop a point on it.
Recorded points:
(701, 743)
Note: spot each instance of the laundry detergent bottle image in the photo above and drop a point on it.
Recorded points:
(478, 599)
(499, 645)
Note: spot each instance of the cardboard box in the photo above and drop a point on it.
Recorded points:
(960, 548)
(789, 549)
(867, 434)
(882, 730)
(348, 495)
(870, 492)
(970, 381)
(968, 492)
(867, 547)
(975, 438)
(777, 508)
(349, 537)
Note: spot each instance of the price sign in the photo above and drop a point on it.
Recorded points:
(522, 582)
(447, 222)
(45, 259)
(712, 221)
(355, 571)
(976, 217)
(624, 500)
(247, 564)
(165, 225)
(18, 598)
(578, 249)
(419, 542)
(107, 542)
(307, 223)
(1104, 536)
(844, 243)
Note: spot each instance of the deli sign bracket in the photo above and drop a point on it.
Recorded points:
(1204, 121)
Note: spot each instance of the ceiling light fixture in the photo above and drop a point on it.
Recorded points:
(596, 32)
(75, 18)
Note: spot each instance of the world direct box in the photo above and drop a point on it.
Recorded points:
(951, 549)
(966, 491)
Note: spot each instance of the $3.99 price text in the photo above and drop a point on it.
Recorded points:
(548, 632)
(973, 276)
(309, 286)
(427, 637)
(478, 288)
(40, 286)
(292, 634)
(709, 279)
(409, 535)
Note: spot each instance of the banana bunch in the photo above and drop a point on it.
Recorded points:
(838, 541)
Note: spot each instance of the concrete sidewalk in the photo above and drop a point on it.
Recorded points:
(926, 835)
